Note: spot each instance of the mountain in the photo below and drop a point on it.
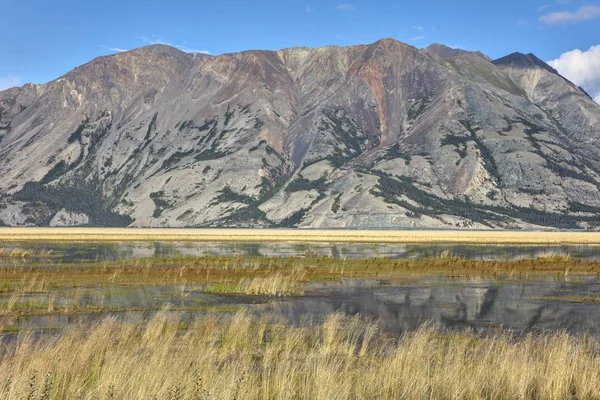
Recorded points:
(380, 135)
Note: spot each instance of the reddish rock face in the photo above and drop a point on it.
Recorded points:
(380, 135)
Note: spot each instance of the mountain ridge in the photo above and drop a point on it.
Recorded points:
(377, 135)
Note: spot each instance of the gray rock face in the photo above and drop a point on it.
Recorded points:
(380, 135)
(68, 218)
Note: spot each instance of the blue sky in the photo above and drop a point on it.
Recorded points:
(44, 39)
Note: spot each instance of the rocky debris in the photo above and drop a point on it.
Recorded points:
(66, 218)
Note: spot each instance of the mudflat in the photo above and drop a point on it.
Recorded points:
(300, 235)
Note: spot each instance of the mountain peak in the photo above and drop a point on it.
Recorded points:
(522, 61)
(517, 59)
(389, 42)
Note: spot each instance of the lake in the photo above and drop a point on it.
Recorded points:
(545, 303)
(107, 251)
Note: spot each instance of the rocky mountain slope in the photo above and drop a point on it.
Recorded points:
(380, 135)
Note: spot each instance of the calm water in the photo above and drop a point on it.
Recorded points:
(485, 304)
(85, 251)
(456, 304)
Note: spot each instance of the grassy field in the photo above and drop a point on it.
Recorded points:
(299, 235)
(242, 357)
(226, 352)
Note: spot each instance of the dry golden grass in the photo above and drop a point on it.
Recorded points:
(22, 253)
(555, 258)
(299, 235)
(276, 284)
(240, 357)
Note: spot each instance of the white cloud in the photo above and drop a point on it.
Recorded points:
(346, 7)
(188, 50)
(117, 49)
(585, 13)
(413, 39)
(582, 68)
(6, 82)
(418, 28)
(160, 40)
(309, 10)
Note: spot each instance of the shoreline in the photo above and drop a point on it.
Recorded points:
(298, 235)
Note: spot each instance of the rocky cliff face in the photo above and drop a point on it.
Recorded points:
(380, 135)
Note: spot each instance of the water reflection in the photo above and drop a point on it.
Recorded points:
(85, 251)
(455, 304)
(517, 306)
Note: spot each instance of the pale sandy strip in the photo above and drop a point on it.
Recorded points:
(299, 235)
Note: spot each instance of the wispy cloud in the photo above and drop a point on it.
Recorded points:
(456, 46)
(523, 23)
(585, 13)
(309, 9)
(582, 68)
(551, 5)
(414, 39)
(9, 81)
(161, 40)
(188, 50)
(418, 28)
(346, 7)
(117, 49)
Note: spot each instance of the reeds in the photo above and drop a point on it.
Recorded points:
(277, 284)
(555, 258)
(15, 252)
(240, 357)
(265, 275)
(23, 253)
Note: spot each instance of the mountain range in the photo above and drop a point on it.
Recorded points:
(383, 135)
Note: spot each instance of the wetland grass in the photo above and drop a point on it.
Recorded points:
(40, 276)
(236, 355)
(23, 253)
(15, 252)
(240, 356)
(275, 284)
(43, 288)
(569, 299)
